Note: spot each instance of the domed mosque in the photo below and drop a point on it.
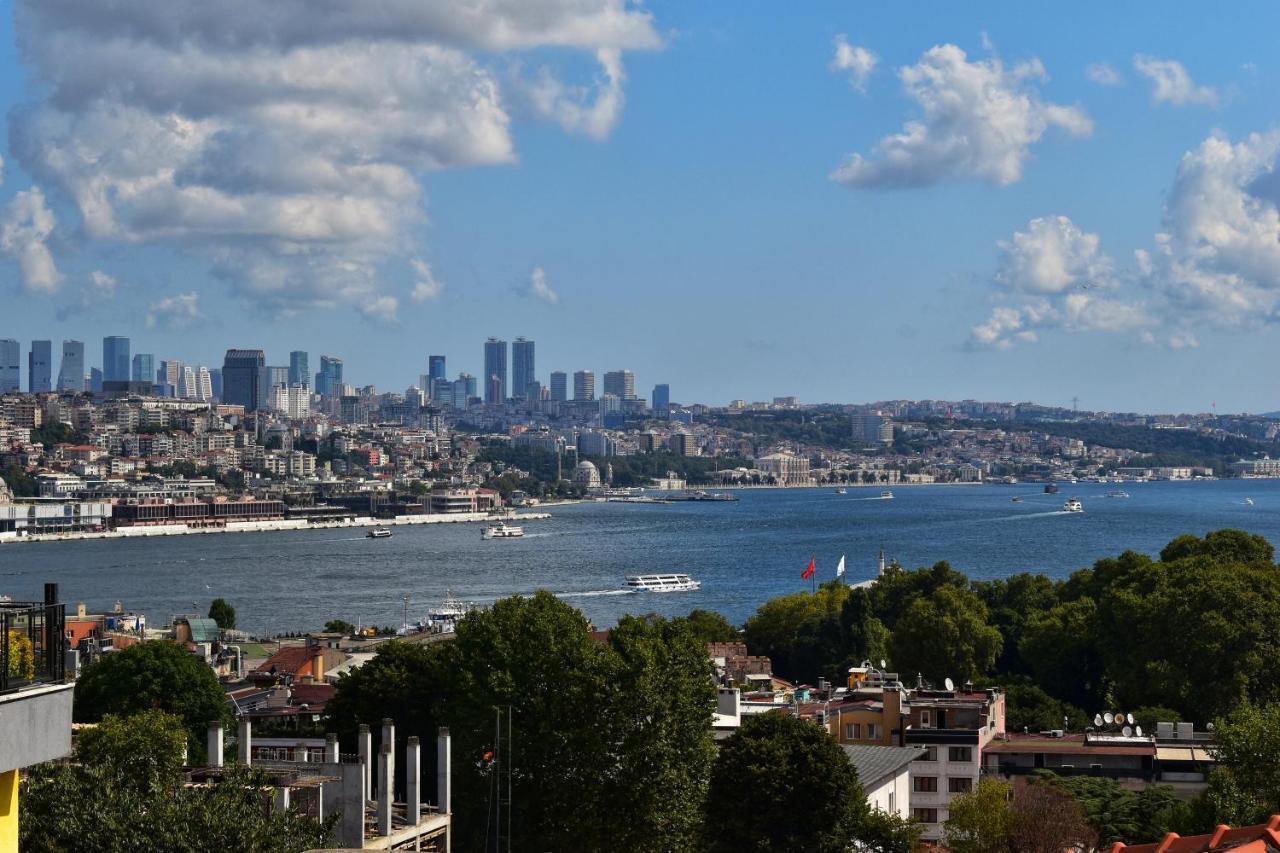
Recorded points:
(586, 474)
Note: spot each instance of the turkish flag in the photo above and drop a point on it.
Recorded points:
(808, 570)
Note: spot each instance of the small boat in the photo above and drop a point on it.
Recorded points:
(378, 533)
(443, 618)
(842, 491)
(1016, 500)
(1051, 489)
(662, 583)
(1073, 505)
(1248, 501)
(1118, 493)
(502, 530)
(886, 495)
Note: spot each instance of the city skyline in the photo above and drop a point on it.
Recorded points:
(756, 203)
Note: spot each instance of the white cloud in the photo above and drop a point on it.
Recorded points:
(1052, 256)
(980, 120)
(1171, 84)
(174, 312)
(25, 226)
(580, 109)
(539, 288)
(94, 291)
(426, 286)
(855, 61)
(382, 309)
(286, 142)
(1103, 73)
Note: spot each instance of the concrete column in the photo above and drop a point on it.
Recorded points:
(214, 747)
(344, 796)
(412, 781)
(282, 799)
(444, 773)
(364, 746)
(331, 749)
(384, 790)
(300, 752)
(389, 739)
(245, 746)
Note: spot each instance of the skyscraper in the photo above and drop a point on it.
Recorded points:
(661, 400)
(435, 366)
(71, 373)
(144, 368)
(168, 376)
(95, 380)
(329, 379)
(495, 368)
(10, 365)
(522, 368)
(240, 374)
(215, 382)
(40, 367)
(559, 385)
(621, 384)
(584, 386)
(299, 371)
(204, 384)
(115, 359)
(270, 378)
(187, 383)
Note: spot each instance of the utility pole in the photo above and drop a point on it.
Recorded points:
(502, 772)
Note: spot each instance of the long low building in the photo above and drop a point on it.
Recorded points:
(197, 513)
(28, 518)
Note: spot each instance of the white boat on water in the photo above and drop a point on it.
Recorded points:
(1248, 501)
(502, 530)
(886, 495)
(841, 490)
(378, 533)
(444, 617)
(662, 583)
(1073, 505)
(1118, 493)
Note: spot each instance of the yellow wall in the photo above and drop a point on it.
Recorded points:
(9, 810)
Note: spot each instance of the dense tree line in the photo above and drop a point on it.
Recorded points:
(635, 470)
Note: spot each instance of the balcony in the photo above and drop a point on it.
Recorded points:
(35, 697)
(32, 644)
(1146, 774)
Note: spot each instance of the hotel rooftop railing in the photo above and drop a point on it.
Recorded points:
(32, 642)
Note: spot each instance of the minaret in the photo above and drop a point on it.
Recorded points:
(881, 573)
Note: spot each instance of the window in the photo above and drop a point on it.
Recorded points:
(930, 754)
(893, 802)
(959, 784)
(852, 731)
(960, 753)
(926, 784)
(925, 815)
(926, 719)
(874, 731)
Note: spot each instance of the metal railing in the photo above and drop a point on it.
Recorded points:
(33, 642)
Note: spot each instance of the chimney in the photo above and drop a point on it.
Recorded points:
(317, 663)
(80, 610)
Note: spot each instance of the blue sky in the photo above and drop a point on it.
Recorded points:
(668, 169)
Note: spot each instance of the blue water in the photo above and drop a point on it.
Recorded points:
(744, 552)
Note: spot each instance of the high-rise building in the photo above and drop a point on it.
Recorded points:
(40, 367)
(241, 369)
(559, 385)
(661, 400)
(95, 380)
(115, 359)
(144, 368)
(463, 389)
(168, 377)
(872, 428)
(187, 383)
(204, 384)
(71, 373)
(522, 368)
(270, 378)
(435, 366)
(584, 386)
(10, 365)
(215, 382)
(495, 368)
(621, 384)
(299, 371)
(329, 379)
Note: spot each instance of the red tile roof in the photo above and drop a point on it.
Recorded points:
(1262, 838)
(289, 660)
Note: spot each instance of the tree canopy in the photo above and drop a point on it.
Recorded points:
(223, 613)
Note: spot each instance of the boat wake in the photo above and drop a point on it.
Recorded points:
(593, 593)
(1034, 515)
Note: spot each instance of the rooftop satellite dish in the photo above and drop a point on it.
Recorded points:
(882, 663)
(1127, 732)
(1097, 719)
(949, 684)
(1138, 731)
(1108, 718)
(1129, 719)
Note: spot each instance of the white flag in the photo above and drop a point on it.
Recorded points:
(840, 567)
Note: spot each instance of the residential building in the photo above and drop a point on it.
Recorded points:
(115, 359)
(329, 379)
(584, 386)
(621, 384)
(95, 380)
(40, 367)
(71, 373)
(464, 388)
(187, 383)
(169, 377)
(144, 368)
(522, 368)
(610, 404)
(474, 499)
(204, 383)
(661, 400)
(299, 368)
(683, 444)
(559, 386)
(241, 369)
(10, 365)
(495, 372)
(270, 378)
(592, 443)
(885, 775)
(872, 429)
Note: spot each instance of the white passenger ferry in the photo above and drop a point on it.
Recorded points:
(502, 530)
(1073, 505)
(662, 583)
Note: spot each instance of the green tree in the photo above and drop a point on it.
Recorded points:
(1010, 603)
(1223, 546)
(1248, 748)
(946, 634)
(1029, 707)
(143, 751)
(711, 627)
(781, 783)
(885, 832)
(223, 613)
(778, 623)
(1060, 646)
(1046, 820)
(980, 820)
(157, 675)
(22, 657)
(339, 626)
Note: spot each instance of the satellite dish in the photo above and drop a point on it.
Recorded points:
(882, 663)
(1109, 718)
(1129, 718)
(1097, 719)
(1209, 726)
(949, 684)
(1138, 731)
(1127, 732)
(1119, 718)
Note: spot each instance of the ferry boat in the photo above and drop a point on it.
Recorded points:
(502, 530)
(1118, 493)
(662, 583)
(842, 491)
(886, 495)
(1073, 505)
(443, 618)
(1051, 489)
(378, 533)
